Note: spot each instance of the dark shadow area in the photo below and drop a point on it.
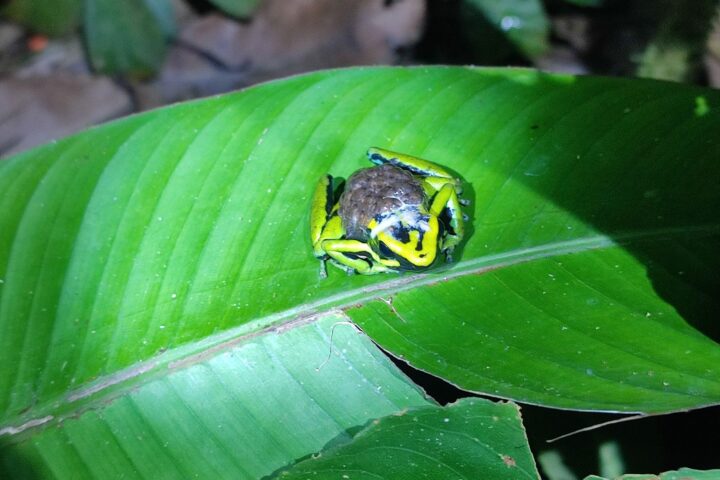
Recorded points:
(14, 465)
(662, 206)
(609, 38)
(457, 34)
(649, 445)
(686, 273)
(439, 389)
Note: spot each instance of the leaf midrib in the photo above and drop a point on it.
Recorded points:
(118, 382)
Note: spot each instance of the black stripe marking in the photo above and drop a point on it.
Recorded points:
(419, 246)
(359, 256)
(329, 202)
(445, 220)
(378, 159)
(405, 265)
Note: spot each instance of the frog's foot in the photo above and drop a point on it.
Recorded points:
(341, 266)
(464, 202)
(354, 256)
(323, 269)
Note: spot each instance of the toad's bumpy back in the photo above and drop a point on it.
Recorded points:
(372, 192)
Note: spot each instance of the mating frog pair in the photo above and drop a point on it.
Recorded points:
(400, 215)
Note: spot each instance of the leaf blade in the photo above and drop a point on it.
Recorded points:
(124, 37)
(203, 418)
(472, 438)
(202, 200)
(595, 354)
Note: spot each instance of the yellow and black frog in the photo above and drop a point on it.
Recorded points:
(399, 215)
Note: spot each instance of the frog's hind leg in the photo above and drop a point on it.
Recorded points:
(446, 207)
(324, 220)
(356, 256)
(322, 204)
(418, 166)
(432, 174)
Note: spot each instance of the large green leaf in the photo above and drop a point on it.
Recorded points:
(471, 439)
(591, 334)
(126, 37)
(591, 256)
(257, 405)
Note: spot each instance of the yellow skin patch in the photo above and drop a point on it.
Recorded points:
(422, 257)
(409, 237)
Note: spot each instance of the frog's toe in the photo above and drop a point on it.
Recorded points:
(464, 202)
(448, 256)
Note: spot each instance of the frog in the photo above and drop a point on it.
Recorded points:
(402, 214)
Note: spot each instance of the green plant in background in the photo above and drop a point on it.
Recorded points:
(128, 37)
(54, 18)
(523, 22)
(161, 312)
(131, 37)
(676, 49)
(671, 35)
